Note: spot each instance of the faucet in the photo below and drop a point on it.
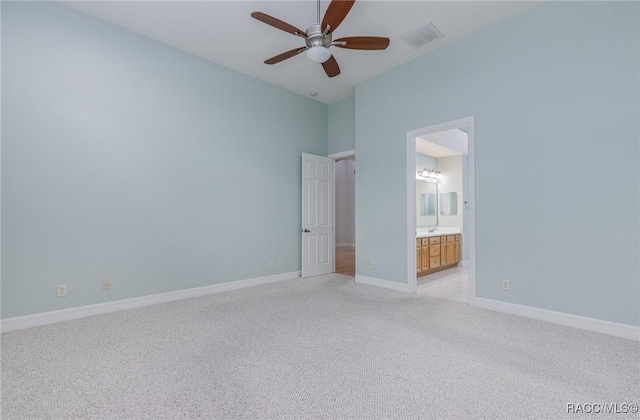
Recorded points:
(432, 230)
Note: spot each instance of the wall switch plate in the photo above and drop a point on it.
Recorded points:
(270, 264)
(106, 284)
(62, 290)
(370, 264)
(506, 285)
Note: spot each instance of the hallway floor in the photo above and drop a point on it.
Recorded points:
(346, 260)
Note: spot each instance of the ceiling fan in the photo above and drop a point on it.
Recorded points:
(318, 37)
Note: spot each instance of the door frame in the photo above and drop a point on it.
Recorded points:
(336, 157)
(412, 279)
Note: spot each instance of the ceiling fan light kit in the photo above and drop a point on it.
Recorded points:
(318, 37)
(318, 54)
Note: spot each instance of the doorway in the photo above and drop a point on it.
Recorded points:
(344, 211)
(451, 156)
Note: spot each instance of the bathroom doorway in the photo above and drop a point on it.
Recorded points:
(441, 191)
(344, 215)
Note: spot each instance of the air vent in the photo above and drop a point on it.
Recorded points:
(421, 35)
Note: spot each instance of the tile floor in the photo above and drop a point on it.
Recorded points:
(452, 284)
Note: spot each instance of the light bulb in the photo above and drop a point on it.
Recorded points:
(318, 54)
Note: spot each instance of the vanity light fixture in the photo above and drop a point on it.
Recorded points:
(431, 174)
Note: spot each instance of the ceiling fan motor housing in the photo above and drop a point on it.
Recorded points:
(316, 37)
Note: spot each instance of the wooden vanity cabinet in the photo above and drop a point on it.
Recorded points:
(422, 254)
(437, 253)
(425, 254)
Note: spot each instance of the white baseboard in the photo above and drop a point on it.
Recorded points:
(605, 327)
(44, 318)
(345, 244)
(393, 285)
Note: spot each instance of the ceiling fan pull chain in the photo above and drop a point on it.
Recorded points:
(318, 11)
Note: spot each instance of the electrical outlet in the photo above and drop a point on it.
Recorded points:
(506, 285)
(370, 264)
(62, 290)
(270, 264)
(106, 284)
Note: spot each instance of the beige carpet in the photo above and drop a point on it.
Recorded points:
(321, 348)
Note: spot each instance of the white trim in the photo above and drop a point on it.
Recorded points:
(333, 215)
(412, 275)
(44, 318)
(464, 263)
(342, 155)
(471, 194)
(345, 244)
(605, 327)
(387, 284)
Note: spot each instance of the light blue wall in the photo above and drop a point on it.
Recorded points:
(425, 161)
(342, 129)
(553, 92)
(125, 159)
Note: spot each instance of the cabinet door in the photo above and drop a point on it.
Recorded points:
(419, 259)
(425, 258)
(456, 253)
(447, 254)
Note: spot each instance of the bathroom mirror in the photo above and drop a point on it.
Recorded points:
(426, 203)
(449, 204)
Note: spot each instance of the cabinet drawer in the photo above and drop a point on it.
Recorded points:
(425, 241)
(443, 239)
(457, 238)
(434, 262)
(434, 240)
(418, 243)
(451, 238)
(434, 251)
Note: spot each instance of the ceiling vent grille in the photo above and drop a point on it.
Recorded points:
(421, 35)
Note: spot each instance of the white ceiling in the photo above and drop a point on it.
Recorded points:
(443, 143)
(225, 33)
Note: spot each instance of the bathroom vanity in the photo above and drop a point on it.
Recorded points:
(437, 248)
(437, 251)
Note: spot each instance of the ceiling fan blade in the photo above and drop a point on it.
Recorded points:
(281, 57)
(363, 43)
(331, 67)
(336, 12)
(277, 23)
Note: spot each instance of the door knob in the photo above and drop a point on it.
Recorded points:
(306, 231)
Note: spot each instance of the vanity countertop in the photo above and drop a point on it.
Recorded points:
(424, 233)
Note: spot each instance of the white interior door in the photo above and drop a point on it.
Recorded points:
(317, 215)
